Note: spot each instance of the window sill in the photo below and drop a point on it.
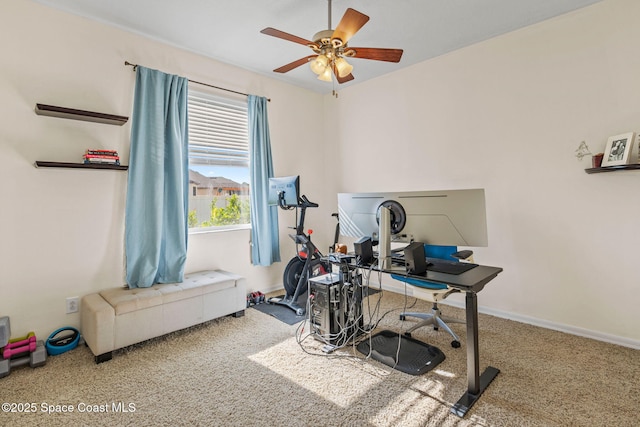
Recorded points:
(194, 231)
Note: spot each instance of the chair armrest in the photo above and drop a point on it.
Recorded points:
(419, 283)
(463, 255)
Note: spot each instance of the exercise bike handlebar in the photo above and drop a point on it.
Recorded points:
(306, 203)
(303, 204)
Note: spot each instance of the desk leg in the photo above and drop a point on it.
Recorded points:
(476, 383)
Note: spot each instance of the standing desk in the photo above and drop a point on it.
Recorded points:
(470, 282)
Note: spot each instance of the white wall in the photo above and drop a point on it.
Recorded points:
(61, 230)
(507, 115)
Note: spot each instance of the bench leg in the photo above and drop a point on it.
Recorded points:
(104, 357)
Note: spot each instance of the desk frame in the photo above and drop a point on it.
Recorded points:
(470, 282)
(477, 383)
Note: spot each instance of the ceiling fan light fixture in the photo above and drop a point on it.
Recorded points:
(319, 64)
(323, 38)
(343, 67)
(330, 48)
(325, 76)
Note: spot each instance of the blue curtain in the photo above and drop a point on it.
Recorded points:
(265, 242)
(156, 227)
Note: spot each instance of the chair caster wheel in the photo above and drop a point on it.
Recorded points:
(407, 334)
(455, 344)
(402, 317)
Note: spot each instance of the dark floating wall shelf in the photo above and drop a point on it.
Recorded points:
(43, 164)
(87, 116)
(613, 168)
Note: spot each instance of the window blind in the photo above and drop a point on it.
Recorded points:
(218, 130)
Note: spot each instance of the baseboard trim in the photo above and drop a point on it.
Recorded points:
(274, 288)
(573, 330)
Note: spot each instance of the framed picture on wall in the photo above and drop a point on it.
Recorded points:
(618, 150)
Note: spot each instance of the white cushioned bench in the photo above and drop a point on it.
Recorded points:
(118, 317)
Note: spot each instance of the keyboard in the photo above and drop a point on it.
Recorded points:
(435, 264)
(448, 267)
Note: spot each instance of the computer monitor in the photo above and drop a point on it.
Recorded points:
(447, 218)
(284, 191)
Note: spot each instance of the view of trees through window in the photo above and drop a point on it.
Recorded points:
(216, 201)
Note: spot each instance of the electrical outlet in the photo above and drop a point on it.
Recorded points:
(72, 304)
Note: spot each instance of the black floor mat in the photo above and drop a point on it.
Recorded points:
(283, 313)
(415, 357)
(286, 314)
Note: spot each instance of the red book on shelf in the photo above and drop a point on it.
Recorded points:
(101, 156)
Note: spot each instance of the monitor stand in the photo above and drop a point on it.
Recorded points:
(384, 243)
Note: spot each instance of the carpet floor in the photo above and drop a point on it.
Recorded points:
(258, 371)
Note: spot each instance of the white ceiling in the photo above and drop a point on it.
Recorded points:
(229, 30)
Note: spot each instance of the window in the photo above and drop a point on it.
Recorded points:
(218, 162)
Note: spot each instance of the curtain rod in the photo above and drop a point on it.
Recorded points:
(199, 83)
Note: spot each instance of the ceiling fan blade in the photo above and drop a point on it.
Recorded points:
(351, 22)
(286, 36)
(344, 79)
(377, 54)
(294, 64)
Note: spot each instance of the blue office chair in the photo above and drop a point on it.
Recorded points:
(435, 292)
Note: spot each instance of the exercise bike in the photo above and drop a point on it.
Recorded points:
(309, 261)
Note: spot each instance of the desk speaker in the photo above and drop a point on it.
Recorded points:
(415, 259)
(363, 249)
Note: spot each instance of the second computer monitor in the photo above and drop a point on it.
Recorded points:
(439, 217)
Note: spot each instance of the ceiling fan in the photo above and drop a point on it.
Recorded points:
(330, 48)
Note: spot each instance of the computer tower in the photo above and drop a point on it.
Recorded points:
(323, 291)
(335, 312)
(415, 258)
